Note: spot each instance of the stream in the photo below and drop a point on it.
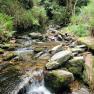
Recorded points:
(25, 73)
(35, 83)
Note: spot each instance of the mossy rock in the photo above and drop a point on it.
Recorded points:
(1, 51)
(38, 49)
(76, 66)
(88, 41)
(7, 46)
(9, 56)
(57, 80)
(58, 59)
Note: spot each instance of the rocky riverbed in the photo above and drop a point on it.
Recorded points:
(57, 63)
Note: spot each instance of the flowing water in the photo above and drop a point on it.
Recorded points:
(35, 84)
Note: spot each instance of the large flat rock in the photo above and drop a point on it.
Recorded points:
(88, 41)
(58, 59)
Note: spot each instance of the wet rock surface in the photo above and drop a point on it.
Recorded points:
(57, 80)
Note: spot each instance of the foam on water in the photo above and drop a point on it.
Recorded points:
(38, 90)
(37, 86)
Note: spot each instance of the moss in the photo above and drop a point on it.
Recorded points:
(56, 82)
(53, 82)
(76, 67)
(1, 51)
(9, 56)
(38, 49)
(76, 71)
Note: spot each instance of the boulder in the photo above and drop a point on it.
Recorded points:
(88, 76)
(58, 59)
(76, 66)
(61, 56)
(57, 80)
(36, 35)
(77, 49)
(88, 41)
(81, 46)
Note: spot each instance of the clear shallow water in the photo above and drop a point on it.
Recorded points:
(24, 50)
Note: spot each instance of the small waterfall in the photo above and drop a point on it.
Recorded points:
(35, 84)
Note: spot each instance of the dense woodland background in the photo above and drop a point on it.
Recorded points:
(36, 15)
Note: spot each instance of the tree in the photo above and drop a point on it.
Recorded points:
(71, 6)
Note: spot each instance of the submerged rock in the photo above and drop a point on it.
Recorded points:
(57, 80)
(81, 46)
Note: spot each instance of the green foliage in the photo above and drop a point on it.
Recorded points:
(79, 30)
(82, 2)
(6, 23)
(55, 11)
(37, 13)
(84, 21)
(25, 15)
(6, 26)
(59, 13)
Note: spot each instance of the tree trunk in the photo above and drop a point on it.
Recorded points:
(92, 32)
(71, 6)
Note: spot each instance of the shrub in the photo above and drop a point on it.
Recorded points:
(84, 21)
(79, 30)
(6, 26)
